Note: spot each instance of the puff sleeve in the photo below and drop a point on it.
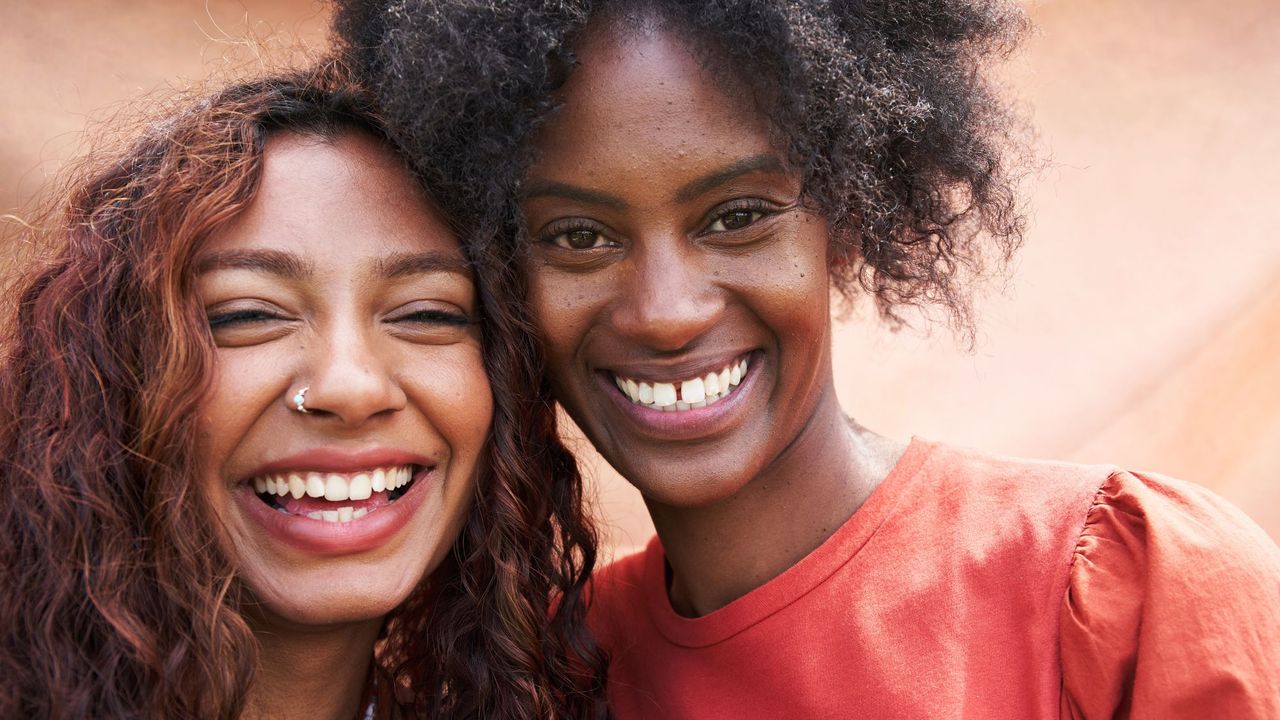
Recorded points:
(1172, 608)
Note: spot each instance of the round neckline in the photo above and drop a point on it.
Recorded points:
(791, 584)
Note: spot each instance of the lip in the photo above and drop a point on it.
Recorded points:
(338, 461)
(329, 539)
(684, 369)
(686, 425)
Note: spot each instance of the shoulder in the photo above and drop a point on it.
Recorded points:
(1100, 498)
(1188, 512)
(973, 498)
(954, 467)
(1166, 529)
(1171, 605)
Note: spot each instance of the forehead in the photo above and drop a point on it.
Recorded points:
(334, 199)
(647, 95)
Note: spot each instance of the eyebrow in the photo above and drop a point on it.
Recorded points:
(756, 163)
(274, 262)
(399, 265)
(291, 267)
(548, 188)
(692, 189)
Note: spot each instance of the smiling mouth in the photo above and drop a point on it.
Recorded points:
(690, 394)
(334, 497)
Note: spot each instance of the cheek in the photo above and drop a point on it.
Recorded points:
(245, 383)
(809, 255)
(562, 305)
(791, 288)
(455, 397)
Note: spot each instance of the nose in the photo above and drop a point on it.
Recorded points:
(351, 379)
(671, 297)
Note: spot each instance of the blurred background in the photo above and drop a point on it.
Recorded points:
(1140, 324)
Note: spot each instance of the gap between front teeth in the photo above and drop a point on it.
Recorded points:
(687, 394)
(334, 487)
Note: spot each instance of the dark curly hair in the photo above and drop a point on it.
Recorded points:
(900, 141)
(117, 602)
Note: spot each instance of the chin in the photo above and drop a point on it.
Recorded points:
(686, 488)
(331, 599)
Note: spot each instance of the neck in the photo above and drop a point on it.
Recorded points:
(722, 551)
(311, 673)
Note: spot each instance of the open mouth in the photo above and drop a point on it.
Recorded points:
(335, 497)
(686, 394)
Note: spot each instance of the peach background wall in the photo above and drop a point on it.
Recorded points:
(1141, 324)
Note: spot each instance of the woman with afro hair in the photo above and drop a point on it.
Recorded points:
(682, 185)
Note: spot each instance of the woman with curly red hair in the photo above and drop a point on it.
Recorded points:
(272, 441)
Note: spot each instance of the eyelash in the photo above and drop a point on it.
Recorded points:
(432, 317)
(757, 207)
(436, 317)
(239, 317)
(566, 227)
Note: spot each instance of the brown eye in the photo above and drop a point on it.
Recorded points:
(579, 239)
(734, 220)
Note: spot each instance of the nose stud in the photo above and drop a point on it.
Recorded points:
(300, 400)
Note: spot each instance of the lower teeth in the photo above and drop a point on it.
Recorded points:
(334, 515)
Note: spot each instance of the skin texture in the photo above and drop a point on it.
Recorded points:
(393, 362)
(667, 239)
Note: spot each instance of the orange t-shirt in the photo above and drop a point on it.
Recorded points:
(970, 586)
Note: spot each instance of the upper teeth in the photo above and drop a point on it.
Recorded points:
(334, 486)
(685, 394)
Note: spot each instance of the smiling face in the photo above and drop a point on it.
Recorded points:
(340, 278)
(680, 289)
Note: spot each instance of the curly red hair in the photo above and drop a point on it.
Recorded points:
(117, 602)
